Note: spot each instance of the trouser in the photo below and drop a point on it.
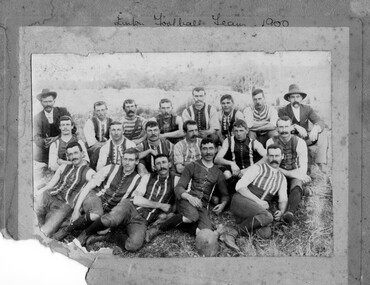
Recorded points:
(248, 214)
(295, 193)
(196, 215)
(93, 152)
(319, 149)
(51, 213)
(262, 136)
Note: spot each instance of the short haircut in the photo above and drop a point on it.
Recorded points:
(284, 118)
(240, 124)
(128, 101)
(151, 124)
(100, 103)
(73, 144)
(132, 150)
(165, 100)
(198, 89)
(65, 118)
(275, 146)
(161, 155)
(228, 97)
(116, 123)
(187, 123)
(257, 91)
(207, 141)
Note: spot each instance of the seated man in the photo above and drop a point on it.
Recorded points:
(170, 125)
(259, 184)
(54, 202)
(96, 131)
(188, 149)
(193, 205)
(109, 187)
(112, 151)
(300, 116)
(261, 118)
(133, 124)
(151, 147)
(57, 150)
(238, 152)
(294, 164)
(227, 116)
(203, 114)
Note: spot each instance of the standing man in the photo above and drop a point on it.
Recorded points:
(255, 190)
(55, 201)
(151, 147)
(170, 125)
(109, 187)
(57, 151)
(46, 125)
(227, 116)
(261, 118)
(301, 115)
(112, 151)
(238, 152)
(294, 164)
(203, 114)
(96, 131)
(193, 205)
(133, 124)
(188, 149)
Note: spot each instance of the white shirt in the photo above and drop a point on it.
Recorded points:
(89, 131)
(296, 112)
(49, 116)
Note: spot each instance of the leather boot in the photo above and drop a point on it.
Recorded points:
(228, 236)
(152, 233)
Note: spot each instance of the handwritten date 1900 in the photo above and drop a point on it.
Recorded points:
(273, 23)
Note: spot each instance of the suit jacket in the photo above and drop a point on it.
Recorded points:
(307, 114)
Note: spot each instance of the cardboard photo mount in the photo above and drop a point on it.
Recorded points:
(85, 40)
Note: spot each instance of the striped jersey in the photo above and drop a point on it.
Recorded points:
(133, 128)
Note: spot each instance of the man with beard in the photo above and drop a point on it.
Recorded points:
(133, 124)
(301, 115)
(261, 118)
(227, 116)
(96, 131)
(170, 125)
(112, 151)
(102, 195)
(193, 204)
(259, 184)
(46, 125)
(203, 114)
(238, 152)
(187, 150)
(57, 151)
(151, 147)
(294, 164)
(55, 202)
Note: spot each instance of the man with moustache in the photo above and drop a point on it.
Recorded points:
(188, 149)
(193, 204)
(293, 165)
(55, 202)
(57, 150)
(170, 125)
(46, 125)
(261, 118)
(227, 116)
(203, 114)
(112, 151)
(301, 115)
(151, 147)
(134, 125)
(100, 199)
(255, 190)
(96, 131)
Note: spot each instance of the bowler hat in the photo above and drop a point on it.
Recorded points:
(46, 93)
(294, 89)
(206, 242)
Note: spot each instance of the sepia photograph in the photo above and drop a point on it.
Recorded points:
(184, 154)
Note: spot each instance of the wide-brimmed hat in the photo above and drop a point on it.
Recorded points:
(46, 93)
(294, 89)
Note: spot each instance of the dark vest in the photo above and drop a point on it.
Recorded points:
(226, 130)
(96, 128)
(62, 147)
(166, 149)
(244, 152)
(200, 117)
(167, 129)
(290, 152)
(110, 158)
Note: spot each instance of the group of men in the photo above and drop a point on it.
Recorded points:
(167, 171)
